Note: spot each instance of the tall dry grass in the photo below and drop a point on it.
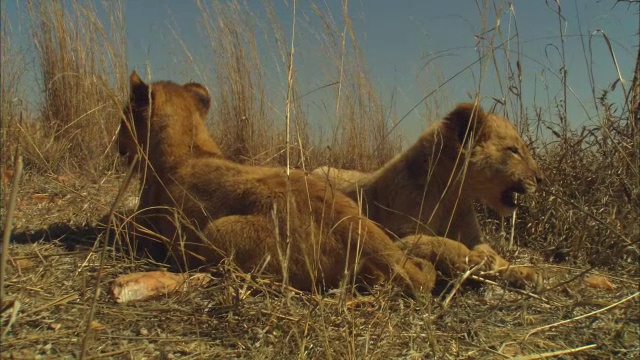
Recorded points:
(81, 64)
(588, 210)
(10, 78)
(248, 120)
(240, 112)
(12, 106)
(363, 137)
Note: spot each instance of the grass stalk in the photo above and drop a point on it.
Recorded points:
(8, 221)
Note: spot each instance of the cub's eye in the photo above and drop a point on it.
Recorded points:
(514, 150)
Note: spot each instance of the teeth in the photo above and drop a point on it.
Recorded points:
(510, 194)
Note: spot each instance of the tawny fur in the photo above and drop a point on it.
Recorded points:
(430, 189)
(209, 209)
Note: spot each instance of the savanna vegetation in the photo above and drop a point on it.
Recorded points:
(59, 156)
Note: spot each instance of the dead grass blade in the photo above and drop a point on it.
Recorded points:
(458, 283)
(14, 306)
(595, 218)
(114, 205)
(555, 353)
(581, 316)
(116, 352)
(8, 221)
(511, 289)
(63, 300)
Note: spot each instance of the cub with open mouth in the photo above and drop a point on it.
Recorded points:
(429, 189)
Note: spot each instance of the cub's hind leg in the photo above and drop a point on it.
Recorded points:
(254, 244)
(247, 240)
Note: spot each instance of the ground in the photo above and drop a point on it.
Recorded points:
(54, 260)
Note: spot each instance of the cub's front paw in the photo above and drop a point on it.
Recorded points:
(485, 255)
(524, 277)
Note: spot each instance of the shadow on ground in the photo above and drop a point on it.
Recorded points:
(71, 236)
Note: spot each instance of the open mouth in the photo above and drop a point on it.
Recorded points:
(508, 196)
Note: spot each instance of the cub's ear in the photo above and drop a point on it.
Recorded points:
(139, 90)
(466, 122)
(201, 94)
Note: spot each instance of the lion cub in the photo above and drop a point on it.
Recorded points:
(207, 208)
(429, 190)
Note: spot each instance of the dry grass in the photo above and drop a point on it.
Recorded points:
(585, 220)
(240, 113)
(240, 316)
(357, 103)
(81, 67)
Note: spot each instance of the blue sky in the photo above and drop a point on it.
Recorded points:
(409, 47)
